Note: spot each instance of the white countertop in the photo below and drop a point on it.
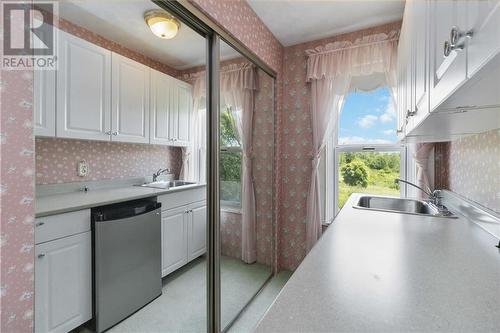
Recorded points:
(378, 271)
(66, 202)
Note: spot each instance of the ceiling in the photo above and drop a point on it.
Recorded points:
(298, 21)
(123, 23)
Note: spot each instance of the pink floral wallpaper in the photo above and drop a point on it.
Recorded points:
(56, 160)
(239, 20)
(470, 166)
(296, 145)
(17, 169)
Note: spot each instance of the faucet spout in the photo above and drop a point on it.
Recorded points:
(159, 172)
(426, 191)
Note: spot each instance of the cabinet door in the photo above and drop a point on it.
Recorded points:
(130, 101)
(180, 116)
(447, 72)
(184, 107)
(83, 89)
(483, 18)
(197, 230)
(401, 102)
(160, 108)
(44, 102)
(63, 283)
(174, 239)
(419, 36)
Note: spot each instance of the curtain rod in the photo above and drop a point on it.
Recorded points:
(351, 47)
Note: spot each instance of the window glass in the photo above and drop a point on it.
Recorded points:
(230, 161)
(368, 172)
(368, 118)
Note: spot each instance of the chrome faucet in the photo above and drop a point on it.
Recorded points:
(159, 172)
(434, 196)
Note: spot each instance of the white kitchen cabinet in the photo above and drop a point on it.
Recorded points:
(160, 108)
(419, 36)
(83, 89)
(197, 230)
(182, 101)
(184, 225)
(174, 239)
(448, 95)
(63, 283)
(171, 105)
(483, 19)
(130, 100)
(44, 102)
(447, 72)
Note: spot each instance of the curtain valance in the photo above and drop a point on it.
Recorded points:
(366, 55)
(232, 77)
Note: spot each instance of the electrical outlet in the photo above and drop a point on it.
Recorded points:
(83, 168)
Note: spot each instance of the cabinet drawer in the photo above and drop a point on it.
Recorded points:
(61, 225)
(181, 198)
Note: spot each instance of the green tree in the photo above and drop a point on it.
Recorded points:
(355, 173)
(378, 162)
(228, 137)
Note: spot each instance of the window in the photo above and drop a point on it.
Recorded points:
(230, 161)
(368, 118)
(368, 172)
(364, 157)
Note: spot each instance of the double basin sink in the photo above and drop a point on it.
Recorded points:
(402, 206)
(163, 184)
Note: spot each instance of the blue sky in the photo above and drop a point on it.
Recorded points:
(368, 118)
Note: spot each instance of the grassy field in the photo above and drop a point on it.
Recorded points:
(379, 181)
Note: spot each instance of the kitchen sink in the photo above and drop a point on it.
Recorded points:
(168, 184)
(401, 205)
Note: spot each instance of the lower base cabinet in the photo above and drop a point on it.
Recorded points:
(173, 239)
(63, 283)
(183, 235)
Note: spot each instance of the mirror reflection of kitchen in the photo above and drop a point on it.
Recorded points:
(119, 159)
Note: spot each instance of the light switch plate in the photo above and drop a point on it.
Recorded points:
(83, 168)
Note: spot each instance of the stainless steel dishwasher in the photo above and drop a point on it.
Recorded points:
(127, 259)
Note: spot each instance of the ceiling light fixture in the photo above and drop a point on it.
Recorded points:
(162, 24)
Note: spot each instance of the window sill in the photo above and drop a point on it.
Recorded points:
(229, 209)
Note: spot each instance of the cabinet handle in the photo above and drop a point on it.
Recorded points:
(456, 35)
(399, 131)
(41, 255)
(39, 224)
(410, 113)
(107, 133)
(115, 133)
(448, 47)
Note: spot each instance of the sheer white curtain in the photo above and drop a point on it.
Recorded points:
(194, 156)
(238, 85)
(330, 69)
(421, 158)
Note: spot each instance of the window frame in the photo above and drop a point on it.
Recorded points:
(330, 208)
(232, 206)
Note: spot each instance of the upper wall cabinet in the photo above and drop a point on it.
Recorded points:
(130, 100)
(97, 94)
(160, 107)
(44, 102)
(448, 61)
(451, 87)
(180, 119)
(83, 89)
(171, 104)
